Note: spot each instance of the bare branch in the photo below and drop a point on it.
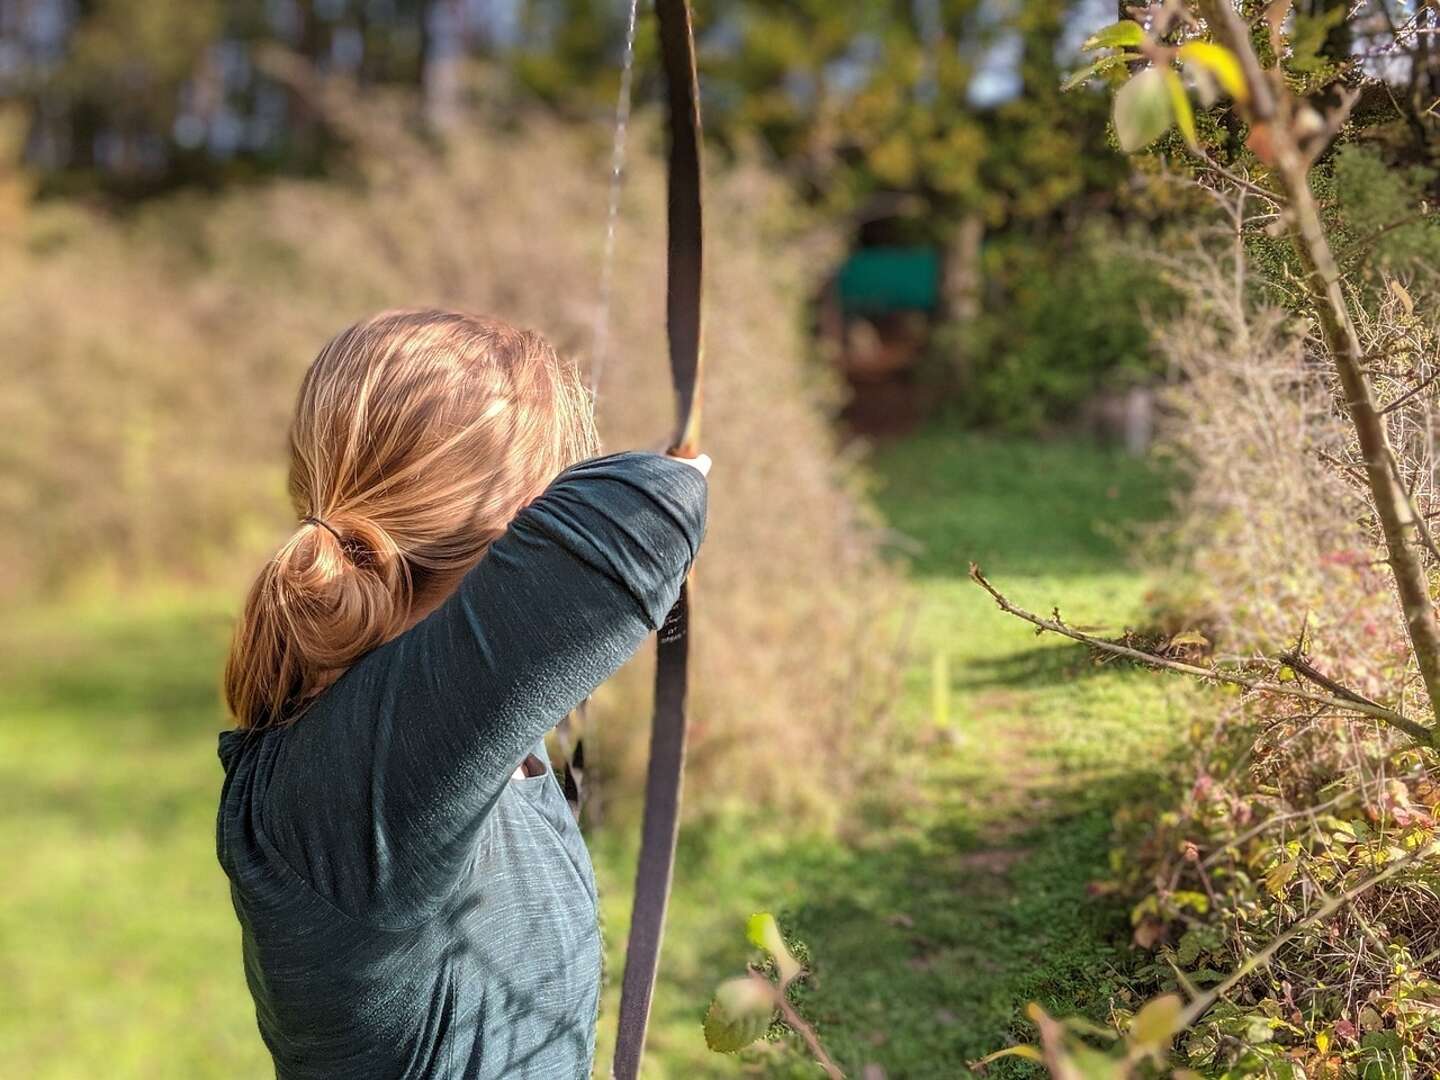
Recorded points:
(1353, 704)
(1298, 664)
(1405, 397)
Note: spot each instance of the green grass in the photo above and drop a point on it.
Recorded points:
(930, 924)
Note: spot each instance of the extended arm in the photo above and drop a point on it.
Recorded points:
(384, 783)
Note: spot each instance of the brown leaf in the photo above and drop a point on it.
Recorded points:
(1262, 143)
(1149, 932)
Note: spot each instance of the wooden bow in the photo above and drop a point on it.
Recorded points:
(668, 727)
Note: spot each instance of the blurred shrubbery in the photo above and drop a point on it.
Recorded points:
(1059, 326)
(151, 363)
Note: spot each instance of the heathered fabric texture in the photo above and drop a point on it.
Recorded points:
(407, 907)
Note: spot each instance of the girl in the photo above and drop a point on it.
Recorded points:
(414, 897)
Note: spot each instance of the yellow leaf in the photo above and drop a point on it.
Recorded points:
(1322, 1042)
(1219, 62)
(1278, 878)
(1029, 1053)
(1124, 34)
(1190, 637)
(1156, 1024)
(1403, 295)
(1180, 106)
(763, 933)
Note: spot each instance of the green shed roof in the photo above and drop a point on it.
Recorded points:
(874, 281)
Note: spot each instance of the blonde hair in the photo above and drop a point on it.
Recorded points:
(417, 437)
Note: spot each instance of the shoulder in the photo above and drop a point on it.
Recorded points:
(622, 485)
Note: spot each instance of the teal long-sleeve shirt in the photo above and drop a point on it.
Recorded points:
(408, 908)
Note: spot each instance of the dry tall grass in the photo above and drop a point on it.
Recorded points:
(1273, 524)
(151, 364)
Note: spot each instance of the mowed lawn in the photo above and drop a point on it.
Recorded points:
(932, 918)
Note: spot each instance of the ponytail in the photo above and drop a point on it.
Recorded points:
(321, 603)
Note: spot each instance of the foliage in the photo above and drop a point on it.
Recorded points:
(135, 96)
(1154, 97)
(1380, 213)
(1264, 544)
(1059, 328)
(857, 100)
(761, 1002)
(1259, 836)
(1274, 809)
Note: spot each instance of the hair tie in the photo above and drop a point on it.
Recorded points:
(324, 525)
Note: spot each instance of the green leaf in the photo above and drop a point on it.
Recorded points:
(764, 933)
(1196, 901)
(1142, 110)
(739, 1014)
(1157, 1023)
(1280, 876)
(1307, 38)
(1099, 67)
(1220, 63)
(1123, 34)
(1188, 950)
(1184, 118)
(1081, 1026)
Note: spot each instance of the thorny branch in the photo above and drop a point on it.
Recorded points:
(1352, 702)
(1202, 1004)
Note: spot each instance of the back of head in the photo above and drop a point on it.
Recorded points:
(417, 437)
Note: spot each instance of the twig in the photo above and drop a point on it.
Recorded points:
(1301, 666)
(1334, 121)
(1365, 241)
(1415, 730)
(1270, 822)
(1199, 1006)
(798, 1025)
(1403, 398)
(1416, 518)
(1238, 180)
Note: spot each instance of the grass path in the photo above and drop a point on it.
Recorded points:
(976, 900)
(930, 927)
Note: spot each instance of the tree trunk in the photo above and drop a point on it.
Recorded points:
(963, 284)
(442, 63)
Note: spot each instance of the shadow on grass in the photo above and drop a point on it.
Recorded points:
(927, 948)
(1042, 665)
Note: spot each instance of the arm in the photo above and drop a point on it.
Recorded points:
(381, 789)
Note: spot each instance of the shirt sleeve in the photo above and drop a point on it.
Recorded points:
(379, 790)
